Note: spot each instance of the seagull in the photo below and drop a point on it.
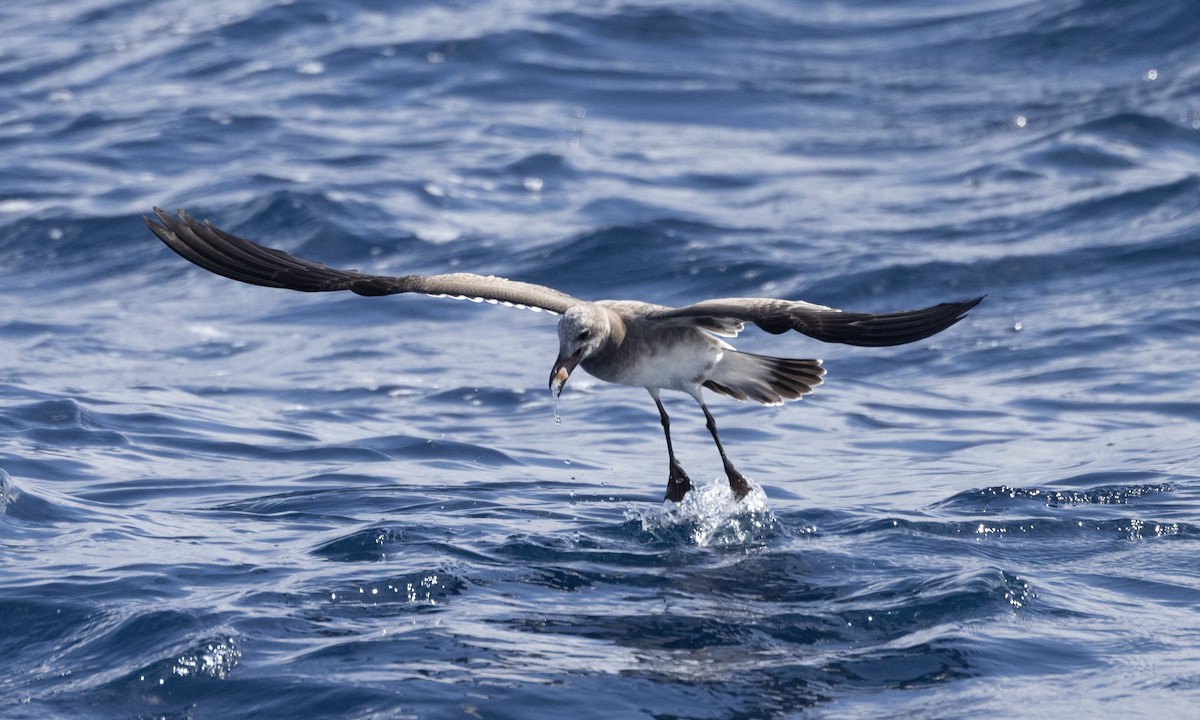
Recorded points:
(625, 342)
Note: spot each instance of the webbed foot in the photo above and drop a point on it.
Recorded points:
(678, 485)
(738, 484)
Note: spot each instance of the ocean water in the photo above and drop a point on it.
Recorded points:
(225, 501)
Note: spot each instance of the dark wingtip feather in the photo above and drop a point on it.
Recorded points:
(239, 259)
(887, 329)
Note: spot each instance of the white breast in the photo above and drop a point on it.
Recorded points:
(676, 361)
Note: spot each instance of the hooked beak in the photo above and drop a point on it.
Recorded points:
(562, 370)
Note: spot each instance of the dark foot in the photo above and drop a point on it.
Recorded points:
(678, 485)
(738, 484)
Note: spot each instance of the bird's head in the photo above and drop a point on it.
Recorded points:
(582, 330)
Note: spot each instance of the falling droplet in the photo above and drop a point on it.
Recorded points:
(554, 404)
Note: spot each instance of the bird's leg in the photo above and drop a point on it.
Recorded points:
(737, 483)
(678, 484)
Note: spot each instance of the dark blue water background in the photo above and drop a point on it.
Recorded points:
(223, 501)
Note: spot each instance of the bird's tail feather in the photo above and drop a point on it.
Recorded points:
(763, 379)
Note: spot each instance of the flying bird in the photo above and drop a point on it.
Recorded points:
(625, 342)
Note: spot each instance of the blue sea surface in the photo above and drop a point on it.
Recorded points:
(227, 501)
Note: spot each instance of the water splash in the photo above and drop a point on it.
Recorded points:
(710, 516)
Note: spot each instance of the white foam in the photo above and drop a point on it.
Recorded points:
(710, 515)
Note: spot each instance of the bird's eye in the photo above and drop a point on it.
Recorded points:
(584, 335)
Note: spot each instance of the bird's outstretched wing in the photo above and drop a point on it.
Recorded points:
(239, 259)
(820, 322)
